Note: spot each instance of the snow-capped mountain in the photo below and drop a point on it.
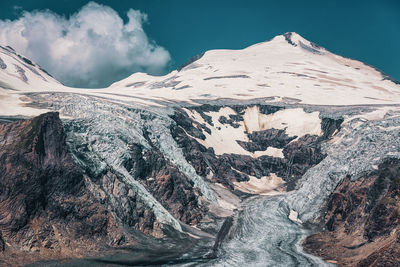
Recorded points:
(178, 155)
(287, 69)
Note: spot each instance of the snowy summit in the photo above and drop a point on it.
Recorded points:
(287, 69)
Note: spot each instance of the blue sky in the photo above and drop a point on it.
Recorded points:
(365, 30)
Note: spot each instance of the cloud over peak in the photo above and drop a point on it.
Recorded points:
(91, 48)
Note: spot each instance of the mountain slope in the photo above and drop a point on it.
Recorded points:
(288, 66)
(287, 69)
(284, 121)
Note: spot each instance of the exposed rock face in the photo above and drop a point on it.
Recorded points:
(43, 201)
(298, 155)
(2, 245)
(362, 221)
(267, 138)
(172, 188)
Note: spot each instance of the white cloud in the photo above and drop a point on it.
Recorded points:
(91, 48)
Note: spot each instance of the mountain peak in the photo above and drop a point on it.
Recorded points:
(296, 39)
(287, 43)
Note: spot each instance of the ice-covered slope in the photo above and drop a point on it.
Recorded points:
(286, 69)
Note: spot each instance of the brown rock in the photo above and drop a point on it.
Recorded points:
(46, 210)
(362, 221)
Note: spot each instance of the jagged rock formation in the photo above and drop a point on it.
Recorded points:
(45, 205)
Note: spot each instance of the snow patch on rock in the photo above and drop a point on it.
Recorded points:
(266, 185)
(296, 121)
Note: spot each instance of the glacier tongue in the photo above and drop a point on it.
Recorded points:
(265, 235)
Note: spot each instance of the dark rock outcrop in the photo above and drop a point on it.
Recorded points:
(2, 244)
(168, 185)
(362, 221)
(299, 155)
(261, 140)
(46, 207)
(329, 126)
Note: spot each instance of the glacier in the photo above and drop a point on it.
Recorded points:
(286, 84)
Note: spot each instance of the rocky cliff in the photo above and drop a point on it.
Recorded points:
(45, 205)
(362, 221)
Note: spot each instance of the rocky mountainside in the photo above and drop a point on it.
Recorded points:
(45, 206)
(233, 159)
(362, 220)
